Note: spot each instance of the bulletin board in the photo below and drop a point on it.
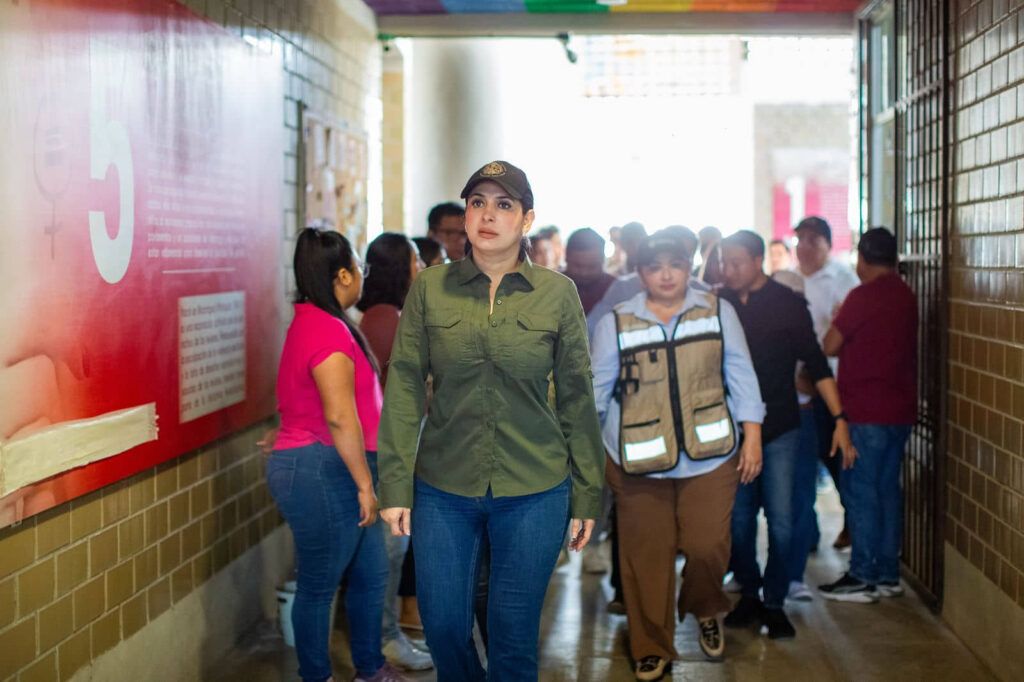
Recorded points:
(333, 172)
(140, 236)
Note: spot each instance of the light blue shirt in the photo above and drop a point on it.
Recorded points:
(744, 397)
(623, 289)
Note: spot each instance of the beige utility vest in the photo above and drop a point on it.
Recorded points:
(671, 391)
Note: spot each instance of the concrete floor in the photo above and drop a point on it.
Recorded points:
(895, 639)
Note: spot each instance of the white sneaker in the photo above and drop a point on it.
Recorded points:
(402, 654)
(890, 589)
(594, 560)
(799, 591)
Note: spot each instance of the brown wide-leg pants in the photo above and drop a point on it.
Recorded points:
(658, 517)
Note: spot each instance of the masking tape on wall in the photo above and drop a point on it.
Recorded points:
(61, 447)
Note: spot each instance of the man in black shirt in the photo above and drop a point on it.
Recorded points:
(779, 333)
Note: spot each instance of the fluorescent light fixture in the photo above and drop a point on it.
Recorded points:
(612, 2)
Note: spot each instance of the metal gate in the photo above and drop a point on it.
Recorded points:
(905, 153)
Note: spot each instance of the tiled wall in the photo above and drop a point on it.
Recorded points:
(82, 578)
(985, 469)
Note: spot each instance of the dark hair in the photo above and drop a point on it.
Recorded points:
(441, 211)
(781, 242)
(749, 240)
(633, 231)
(319, 254)
(878, 246)
(584, 239)
(709, 233)
(389, 280)
(429, 249)
(548, 231)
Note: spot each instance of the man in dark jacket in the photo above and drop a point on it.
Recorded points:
(779, 333)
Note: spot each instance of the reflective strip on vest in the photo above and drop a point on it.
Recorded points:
(636, 452)
(703, 325)
(707, 433)
(641, 337)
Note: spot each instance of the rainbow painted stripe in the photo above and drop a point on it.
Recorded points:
(390, 7)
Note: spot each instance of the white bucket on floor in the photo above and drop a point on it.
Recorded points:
(285, 601)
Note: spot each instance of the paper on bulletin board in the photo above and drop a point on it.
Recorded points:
(334, 176)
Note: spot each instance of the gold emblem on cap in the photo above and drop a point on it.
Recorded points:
(493, 169)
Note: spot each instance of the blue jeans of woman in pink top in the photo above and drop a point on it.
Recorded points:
(318, 498)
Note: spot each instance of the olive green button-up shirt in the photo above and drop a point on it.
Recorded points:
(489, 422)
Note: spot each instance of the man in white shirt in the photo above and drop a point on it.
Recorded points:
(826, 281)
(825, 284)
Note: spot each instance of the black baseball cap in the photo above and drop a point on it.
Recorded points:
(663, 241)
(877, 246)
(512, 180)
(816, 225)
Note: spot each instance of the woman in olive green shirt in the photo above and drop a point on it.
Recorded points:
(494, 458)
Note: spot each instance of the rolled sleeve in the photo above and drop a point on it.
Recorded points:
(744, 391)
(574, 395)
(404, 401)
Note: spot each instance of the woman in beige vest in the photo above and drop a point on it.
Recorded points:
(681, 416)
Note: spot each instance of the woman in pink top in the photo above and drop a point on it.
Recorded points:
(323, 467)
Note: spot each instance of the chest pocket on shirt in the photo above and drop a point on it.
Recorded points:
(530, 352)
(446, 335)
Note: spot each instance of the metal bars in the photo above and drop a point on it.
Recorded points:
(921, 215)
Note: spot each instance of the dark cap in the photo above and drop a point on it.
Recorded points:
(661, 242)
(817, 226)
(511, 179)
(877, 246)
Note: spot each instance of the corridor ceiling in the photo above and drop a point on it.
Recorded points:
(541, 17)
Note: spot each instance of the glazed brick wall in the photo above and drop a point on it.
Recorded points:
(985, 471)
(78, 579)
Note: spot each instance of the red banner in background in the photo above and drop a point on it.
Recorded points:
(140, 217)
(828, 201)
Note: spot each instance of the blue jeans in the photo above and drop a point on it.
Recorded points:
(773, 490)
(396, 546)
(805, 492)
(318, 498)
(875, 502)
(525, 534)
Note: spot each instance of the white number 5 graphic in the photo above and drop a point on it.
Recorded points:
(109, 146)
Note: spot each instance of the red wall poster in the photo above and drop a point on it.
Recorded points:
(140, 218)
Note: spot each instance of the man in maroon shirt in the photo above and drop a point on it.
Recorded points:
(584, 265)
(875, 336)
